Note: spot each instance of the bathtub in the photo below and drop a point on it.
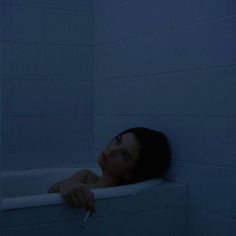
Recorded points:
(147, 207)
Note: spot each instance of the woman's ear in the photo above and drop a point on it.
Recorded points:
(129, 178)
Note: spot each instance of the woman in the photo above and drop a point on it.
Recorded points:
(134, 155)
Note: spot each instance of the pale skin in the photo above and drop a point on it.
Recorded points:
(116, 161)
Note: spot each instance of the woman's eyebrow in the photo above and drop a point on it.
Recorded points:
(128, 154)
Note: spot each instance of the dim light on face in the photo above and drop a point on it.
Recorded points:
(120, 155)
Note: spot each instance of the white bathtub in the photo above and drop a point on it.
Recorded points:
(29, 210)
(23, 189)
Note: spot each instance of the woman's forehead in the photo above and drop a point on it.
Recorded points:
(130, 142)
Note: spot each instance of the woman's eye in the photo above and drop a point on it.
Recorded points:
(118, 138)
(125, 156)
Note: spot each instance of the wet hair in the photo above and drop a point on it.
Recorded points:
(154, 155)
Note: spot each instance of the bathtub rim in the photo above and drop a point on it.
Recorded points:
(56, 198)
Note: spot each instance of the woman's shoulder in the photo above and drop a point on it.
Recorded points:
(91, 177)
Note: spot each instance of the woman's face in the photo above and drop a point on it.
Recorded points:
(120, 155)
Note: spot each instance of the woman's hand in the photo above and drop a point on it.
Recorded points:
(54, 188)
(75, 193)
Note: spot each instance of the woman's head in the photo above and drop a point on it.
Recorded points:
(137, 154)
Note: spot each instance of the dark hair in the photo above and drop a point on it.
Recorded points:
(154, 154)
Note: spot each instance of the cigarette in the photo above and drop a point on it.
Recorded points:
(85, 219)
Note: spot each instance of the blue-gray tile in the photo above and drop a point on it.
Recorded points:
(107, 4)
(46, 159)
(191, 47)
(68, 27)
(22, 231)
(152, 16)
(65, 61)
(27, 24)
(58, 4)
(26, 61)
(20, 217)
(5, 22)
(37, 97)
(124, 96)
(211, 187)
(205, 223)
(57, 136)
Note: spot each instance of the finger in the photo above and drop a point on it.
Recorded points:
(80, 198)
(75, 200)
(88, 198)
(68, 199)
(85, 202)
(91, 194)
(53, 189)
(92, 199)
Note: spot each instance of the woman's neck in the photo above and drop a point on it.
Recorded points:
(104, 181)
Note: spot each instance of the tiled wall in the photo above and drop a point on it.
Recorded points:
(168, 65)
(47, 79)
(0, 136)
(171, 66)
(2, 20)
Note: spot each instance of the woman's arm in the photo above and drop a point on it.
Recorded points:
(77, 194)
(74, 192)
(79, 176)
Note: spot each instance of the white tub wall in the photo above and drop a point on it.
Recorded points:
(152, 211)
(48, 84)
(34, 182)
(170, 65)
(163, 218)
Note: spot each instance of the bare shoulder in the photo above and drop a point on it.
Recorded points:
(85, 176)
(81, 175)
(91, 177)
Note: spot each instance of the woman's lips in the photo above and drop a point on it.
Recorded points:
(104, 157)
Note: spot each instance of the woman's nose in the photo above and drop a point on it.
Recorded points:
(107, 154)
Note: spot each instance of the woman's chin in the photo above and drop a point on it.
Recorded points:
(100, 161)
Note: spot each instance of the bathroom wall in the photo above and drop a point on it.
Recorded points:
(3, 19)
(0, 143)
(47, 79)
(171, 66)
